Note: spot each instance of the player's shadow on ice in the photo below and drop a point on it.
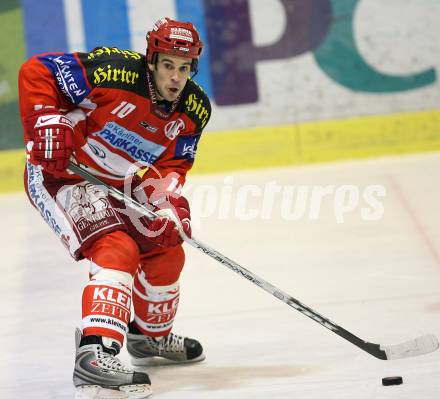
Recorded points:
(202, 376)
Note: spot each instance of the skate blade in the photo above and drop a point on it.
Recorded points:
(124, 392)
(155, 361)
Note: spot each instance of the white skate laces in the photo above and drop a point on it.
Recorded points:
(110, 362)
(170, 343)
(159, 351)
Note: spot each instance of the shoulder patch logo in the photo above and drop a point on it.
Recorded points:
(186, 147)
(69, 76)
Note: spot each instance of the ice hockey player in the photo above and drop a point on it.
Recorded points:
(134, 121)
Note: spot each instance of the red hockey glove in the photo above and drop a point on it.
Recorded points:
(51, 135)
(173, 221)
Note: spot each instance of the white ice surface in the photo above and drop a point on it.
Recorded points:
(378, 279)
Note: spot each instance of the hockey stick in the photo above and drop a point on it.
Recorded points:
(415, 347)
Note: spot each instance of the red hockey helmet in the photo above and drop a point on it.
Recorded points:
(174, 38)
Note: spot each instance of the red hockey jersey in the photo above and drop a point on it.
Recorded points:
(120, 127)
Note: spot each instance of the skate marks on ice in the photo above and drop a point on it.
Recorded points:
(203, 377)
(433, 307)
(96, 392)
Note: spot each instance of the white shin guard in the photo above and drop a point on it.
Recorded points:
(106, 303)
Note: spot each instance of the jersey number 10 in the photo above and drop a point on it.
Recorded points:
(123, 109)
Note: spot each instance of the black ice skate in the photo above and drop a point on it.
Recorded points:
(171, 349)
(98, 370)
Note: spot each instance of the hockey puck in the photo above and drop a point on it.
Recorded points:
(396, 380)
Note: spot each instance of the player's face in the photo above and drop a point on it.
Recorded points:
(170, 75)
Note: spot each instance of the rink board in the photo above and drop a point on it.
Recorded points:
(313, 142)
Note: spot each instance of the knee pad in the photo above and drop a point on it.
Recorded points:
(116, 251)
(98, 273)
(162, 267)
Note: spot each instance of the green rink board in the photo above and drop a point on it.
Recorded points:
(271, 146)
(13, 55)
